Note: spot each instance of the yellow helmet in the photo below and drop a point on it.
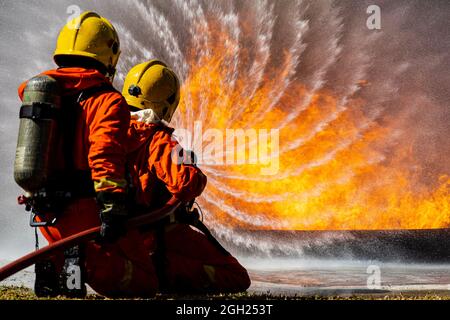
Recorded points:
(152, 85)
(91, 36)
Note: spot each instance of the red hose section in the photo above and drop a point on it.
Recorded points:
(83, 236)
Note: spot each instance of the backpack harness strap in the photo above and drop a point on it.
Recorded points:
(70, 184)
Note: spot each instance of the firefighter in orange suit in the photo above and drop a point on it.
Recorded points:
(186, 260)
(86, 53)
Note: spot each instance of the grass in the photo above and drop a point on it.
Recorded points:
(22, 293)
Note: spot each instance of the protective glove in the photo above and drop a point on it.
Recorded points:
(113, 215)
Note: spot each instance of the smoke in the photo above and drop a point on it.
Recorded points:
(401, 71)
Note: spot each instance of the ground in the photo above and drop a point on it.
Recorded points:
(301, 279)
(23, 293)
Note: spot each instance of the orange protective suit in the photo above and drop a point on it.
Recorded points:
(100, 138)
(155, 174)
(101, 128)
(192, 262)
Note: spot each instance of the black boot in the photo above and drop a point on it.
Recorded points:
(46, 282)
(72, 278)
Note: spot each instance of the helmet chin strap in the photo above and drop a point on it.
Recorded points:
(170, 116)
(110, 73)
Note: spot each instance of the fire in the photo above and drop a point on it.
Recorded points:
(340, 167)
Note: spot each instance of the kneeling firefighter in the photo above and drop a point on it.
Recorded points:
(187, 258)
(70, 156)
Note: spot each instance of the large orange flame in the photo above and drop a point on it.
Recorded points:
(339, 168)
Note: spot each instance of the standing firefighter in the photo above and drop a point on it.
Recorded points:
(70, 157)
(185, 259)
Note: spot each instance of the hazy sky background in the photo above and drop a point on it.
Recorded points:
(409, 68)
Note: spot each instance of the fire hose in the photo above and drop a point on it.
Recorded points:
(84, 236)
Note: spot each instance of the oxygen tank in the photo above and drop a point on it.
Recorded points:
(37, 133)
